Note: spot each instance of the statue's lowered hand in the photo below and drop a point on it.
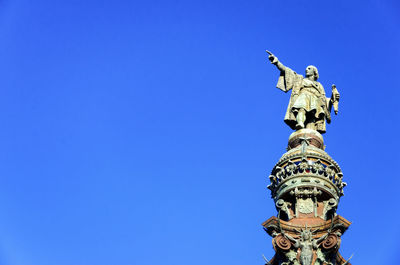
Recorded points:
(335, 93)
(335, 99)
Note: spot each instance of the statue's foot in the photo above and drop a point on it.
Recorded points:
(299, 126)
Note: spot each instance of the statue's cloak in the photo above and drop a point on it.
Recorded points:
(301, 97)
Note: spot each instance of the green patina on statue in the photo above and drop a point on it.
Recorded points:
(308, 106)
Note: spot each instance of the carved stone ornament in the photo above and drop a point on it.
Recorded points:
(306, 165)
(282, 242)
(305, 206)
(330, 242)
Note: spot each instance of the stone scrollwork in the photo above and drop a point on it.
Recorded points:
(303, 245)
(329, 208)
(282, 242)
(306, 247)
(283, 206)
(330, 242)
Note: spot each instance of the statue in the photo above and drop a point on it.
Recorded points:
(308, 106)
(306, 244)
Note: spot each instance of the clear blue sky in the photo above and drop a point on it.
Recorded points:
(143, 132)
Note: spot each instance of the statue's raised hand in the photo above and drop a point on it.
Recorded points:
(272, 58)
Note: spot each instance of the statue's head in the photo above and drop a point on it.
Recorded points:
(306, 234)
(312, 71)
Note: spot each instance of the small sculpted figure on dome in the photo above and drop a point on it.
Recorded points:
(306, 243)
(308, 106)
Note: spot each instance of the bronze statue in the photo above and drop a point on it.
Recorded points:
(306, 183)
(308, 106)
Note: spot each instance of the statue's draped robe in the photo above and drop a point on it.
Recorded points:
(308, 95)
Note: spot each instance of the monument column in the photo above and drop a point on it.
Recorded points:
(306, 184)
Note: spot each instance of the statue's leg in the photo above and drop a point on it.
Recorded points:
(310, 122)
(300, 119)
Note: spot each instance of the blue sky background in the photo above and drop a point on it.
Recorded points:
(143, 132)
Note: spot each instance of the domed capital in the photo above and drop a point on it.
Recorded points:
(307, 136)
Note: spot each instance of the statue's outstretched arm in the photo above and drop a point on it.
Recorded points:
(322, 238)
(274, 60)
(290, 238)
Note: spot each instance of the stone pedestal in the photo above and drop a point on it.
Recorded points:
(306, 186)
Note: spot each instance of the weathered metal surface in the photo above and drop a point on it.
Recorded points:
(308, 106)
